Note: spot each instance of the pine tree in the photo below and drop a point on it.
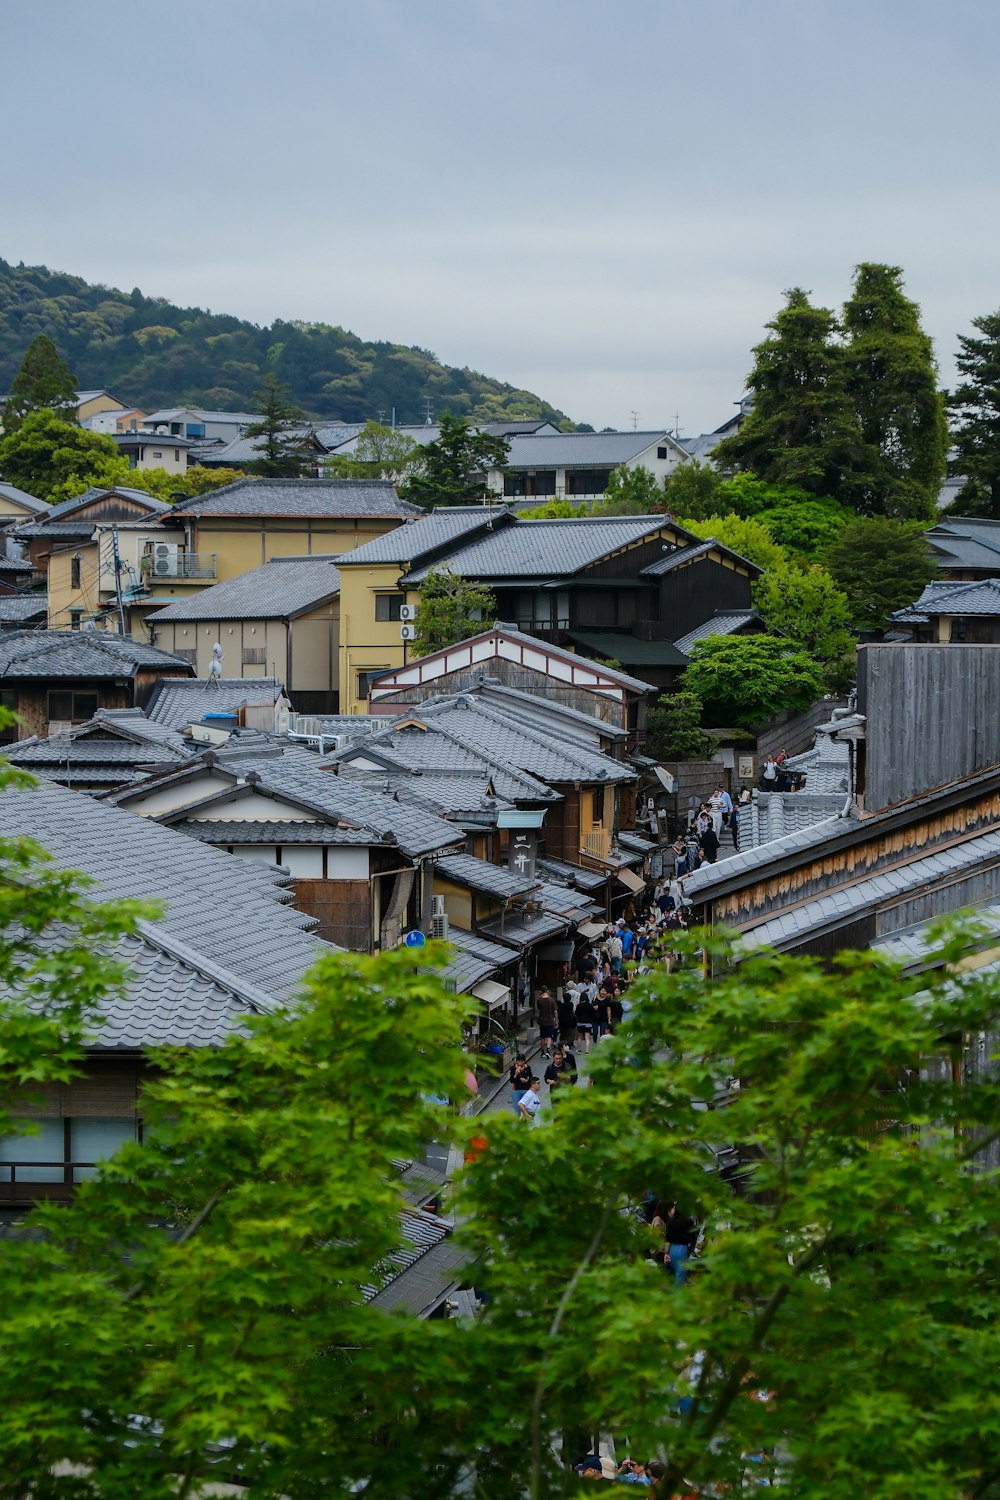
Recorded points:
(44, 381)
(283, 453)
(801, 429)
(893, 389)
(455, 465)
(976, 405)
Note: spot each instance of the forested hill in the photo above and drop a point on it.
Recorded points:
(153, 354)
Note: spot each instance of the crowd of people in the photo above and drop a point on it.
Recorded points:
(715, 816)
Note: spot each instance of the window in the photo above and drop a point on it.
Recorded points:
(74, 571)
(157, 453)
(68, 707)
(255, 656)
(8, 701)
(661, 453)
(365, 679)
(387, 606)
(587, 481)
(177, 455)
(530, 484)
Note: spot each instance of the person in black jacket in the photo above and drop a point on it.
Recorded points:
(566, 1008)
(585, 1018)
(520, 1081)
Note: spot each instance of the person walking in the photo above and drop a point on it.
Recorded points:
(681, 1237)
(545, 1007)
(585, 1016)
(531, 1102)
(566, 1013)
(520, 1081)
(561, 1071)
(734, 828)
(709, 846)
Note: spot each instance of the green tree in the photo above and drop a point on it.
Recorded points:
(555, 510)
(893, 388)
(381, 453)
(44, 453)
(43, 381)
(283, 450)
(692, 489)
(451, 609)
(799, 600)
(163, 484)
(745, 680)
(802, 428)
(881, 565)
(855, 1276)
(805, 528)
(455, 465)
(631, 491)
(673, 728)
(975, 405)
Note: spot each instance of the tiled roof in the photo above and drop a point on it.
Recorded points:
(426, 533)
(68, 508)
(525, 931)
(542, 710)
(254, 831)
(184, 702)
(474, 959)
(22, 498)
(790, 928)
(479, 875)
(315, 498)
(469, 654)
(432, 752)
(425, 1267)
(279, 590)
(827, 766)
(226, 917)
(468, 722)
(684, 555)
(543, 549)
(91, 654)
(948, 597)
(16, 565)
(563, 901)
(700, 882)
(23, 607)
(584, 880)
(584, 450)
(331, 435)
(773, 815)
(720, 624)
(369, 816)
(621, 646)
(966, 542)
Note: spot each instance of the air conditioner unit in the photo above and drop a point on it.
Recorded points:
(437, 906)
(407, 632)
(407, 611)
(165, 556)
(439, 925)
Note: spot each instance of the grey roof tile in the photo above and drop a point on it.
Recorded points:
(479, 875)
(22, 608)
(426, 533)
(525, 931)
(720, 624)
(584, 450)
(225, 917)
(622, 646)
(22, 498)
(543, 549)
(279, 590)
(91, 654)
(683, 555)
(68, 508)
(315, 498)
(948, 597)
(178, 703)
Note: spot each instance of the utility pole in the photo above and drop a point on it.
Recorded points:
(118, 582)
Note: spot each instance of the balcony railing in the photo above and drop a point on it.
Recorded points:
(596, 843)
(179, 565)
(31, 1181)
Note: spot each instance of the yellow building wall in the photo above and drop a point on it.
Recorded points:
(313, 656)
(367, 644)
(241, 545)
(103, 402)
(63, 597)
(9, 511)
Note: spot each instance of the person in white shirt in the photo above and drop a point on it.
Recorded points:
(531, 1102)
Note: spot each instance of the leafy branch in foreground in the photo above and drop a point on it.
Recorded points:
(205, 1296)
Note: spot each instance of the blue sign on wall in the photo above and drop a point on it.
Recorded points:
(415, 939)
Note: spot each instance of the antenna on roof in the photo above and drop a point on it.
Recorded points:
(635, 421)
(215, 665)
(427, 418)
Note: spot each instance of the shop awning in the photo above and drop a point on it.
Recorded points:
(592, 929)
(557, 952)
(630, 880)
(494, 994)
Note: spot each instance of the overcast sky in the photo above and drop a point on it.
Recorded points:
(599, 200)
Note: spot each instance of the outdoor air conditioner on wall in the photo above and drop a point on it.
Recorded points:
(439, 925)
(437, 906)
(165, 559)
